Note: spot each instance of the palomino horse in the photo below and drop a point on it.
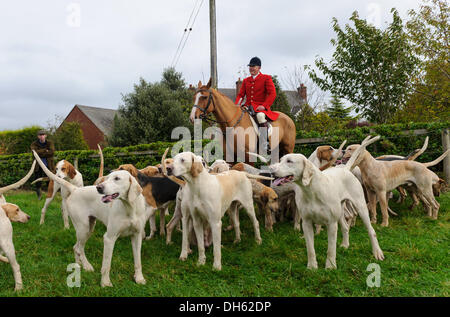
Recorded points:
(208, 100)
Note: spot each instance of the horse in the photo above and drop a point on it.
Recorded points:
(208, 100)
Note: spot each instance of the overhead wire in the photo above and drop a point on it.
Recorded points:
(186, 33)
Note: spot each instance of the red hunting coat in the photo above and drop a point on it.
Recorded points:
(260, 92)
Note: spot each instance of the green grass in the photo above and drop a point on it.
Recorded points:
(416, 251)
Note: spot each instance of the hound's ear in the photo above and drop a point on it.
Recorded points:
(265, 197)
(71, 172)
(100, 180)
(208, 85)
(134, 191)
(200, 84)
(319, 154)
(196, 168)
(308, 173)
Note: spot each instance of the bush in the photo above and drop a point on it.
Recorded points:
(18, 141)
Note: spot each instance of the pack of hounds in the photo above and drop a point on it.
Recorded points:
(330, 188)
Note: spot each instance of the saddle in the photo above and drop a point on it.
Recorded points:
(255, 124)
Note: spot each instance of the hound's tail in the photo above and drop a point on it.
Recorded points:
(52, 176)
(171, 177)
(258, 176)
(40, 179)
(360, 150)
(19, 183)
(414, 155)
(440, 158)
(262, 158)
(100, 152)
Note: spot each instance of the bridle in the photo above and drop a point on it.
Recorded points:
(204, 115)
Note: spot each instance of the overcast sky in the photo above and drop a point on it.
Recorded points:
(56, 53)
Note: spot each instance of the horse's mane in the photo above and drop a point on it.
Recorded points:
(219, 94)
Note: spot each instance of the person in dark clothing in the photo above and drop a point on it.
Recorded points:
(45, 149)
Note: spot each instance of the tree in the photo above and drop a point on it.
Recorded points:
(152, 111)
(281, 102)
(429, 31)
(69, 136)
(297, 76)
(337, 110)
(66, 135)
(371, 68)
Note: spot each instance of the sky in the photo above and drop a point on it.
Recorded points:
(57, 53)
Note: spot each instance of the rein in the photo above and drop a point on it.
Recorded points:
(204, 115)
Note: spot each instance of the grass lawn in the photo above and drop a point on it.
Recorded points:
(416, 263)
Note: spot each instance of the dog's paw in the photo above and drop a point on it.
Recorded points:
(106, 283)
(140, 280)
(88, 267)
(183, 256)
(312, 266)
(236, 241)
(201, 261)
(18, 287)
(345, 245)
(378, 254)
(330, 265)
(385, 224)
(217, 266)
(258, 241)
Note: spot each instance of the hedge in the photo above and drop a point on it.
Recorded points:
(14, 167)
(392, 140)
(18, 141)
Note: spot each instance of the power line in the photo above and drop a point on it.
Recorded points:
(186, 33)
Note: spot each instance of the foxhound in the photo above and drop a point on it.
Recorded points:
(158, 191)
(11, 213)
(323, 193)
(206, 198)
(118, 203)
(65, 170)
(380, 177)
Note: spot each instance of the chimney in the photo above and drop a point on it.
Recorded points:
(238, 86)
(302, 93)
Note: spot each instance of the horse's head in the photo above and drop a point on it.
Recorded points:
(203, 102)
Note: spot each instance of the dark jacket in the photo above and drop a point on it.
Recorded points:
(46, 151)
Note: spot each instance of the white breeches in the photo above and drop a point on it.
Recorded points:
(261, 117)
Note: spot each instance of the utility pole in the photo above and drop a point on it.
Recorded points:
(213, 41)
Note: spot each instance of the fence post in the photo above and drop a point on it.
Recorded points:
(446, 146)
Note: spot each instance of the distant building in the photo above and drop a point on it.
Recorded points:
(96, 123)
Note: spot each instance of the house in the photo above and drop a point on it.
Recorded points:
(96, 123)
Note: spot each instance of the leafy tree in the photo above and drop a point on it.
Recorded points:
(69, 136)
(337, 109)
(371, 68)
(281, 102)
(304, 116)
(152, 111)
(429, 31)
